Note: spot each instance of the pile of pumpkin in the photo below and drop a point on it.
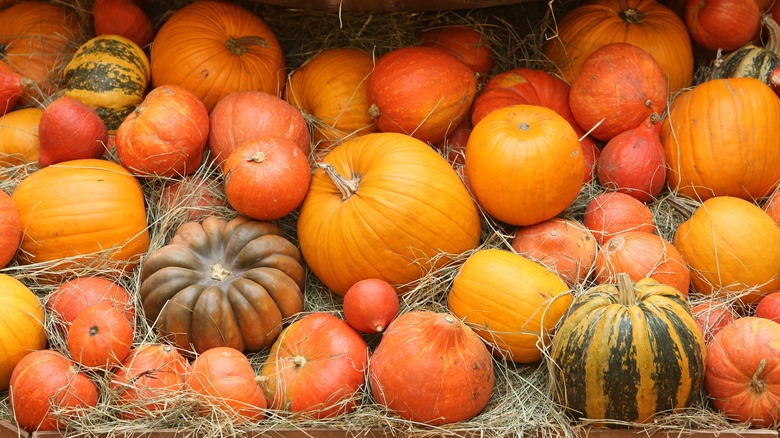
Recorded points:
(391, 168)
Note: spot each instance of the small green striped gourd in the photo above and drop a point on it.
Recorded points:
(109, 73)
(751, 61)
(627, 353)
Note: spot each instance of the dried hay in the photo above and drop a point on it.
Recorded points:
(522, 402)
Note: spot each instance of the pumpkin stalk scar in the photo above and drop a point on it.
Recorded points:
(257, 157)
(239, 46)
(219, 272)
(347, 187)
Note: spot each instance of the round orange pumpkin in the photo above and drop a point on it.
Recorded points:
(76, 295)
(216, 48)
(70, 130)
(466, 43)
(524, 164)
(100, 336)
(611, 213)
(83, 211)
(19, 141)
(22, 325)
(513, 303)
(331, 90)
(644, 23)
(420, 91)
(731, 247)
(719, 140)
(387, 206)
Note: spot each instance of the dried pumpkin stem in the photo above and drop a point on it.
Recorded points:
(626, 293)
(631, 15)
(219, 272)
(257, 157)
(757, 385)
(239, 46)
(347, 187)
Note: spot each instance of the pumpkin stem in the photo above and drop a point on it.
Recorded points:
(626, 293)
(239, 46)
(347, 187)
(219, 272)
(757, 385)
(631, 15)
(373, 111)
(257, 157)
(299, 361)
(773, 29)
(93, 331)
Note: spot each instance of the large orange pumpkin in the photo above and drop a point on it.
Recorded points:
(644, 23)
(87, 211)
(720, 140)
(731, 246)
(385, 206)
(215, 48)
(22, 325)
(513, 303)
(330, 88)
(524, 164)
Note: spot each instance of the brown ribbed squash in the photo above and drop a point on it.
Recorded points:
(223, 283)
(720, 140)
(627, 352)
(647, 24)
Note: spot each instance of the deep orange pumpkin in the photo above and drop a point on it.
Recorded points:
(22, 323)
(331, 90)
(215, 48)
(70, 130)
(165, 135)
(370, 305)
(721, 121)
(124, 18)
(266, 178)
(644, 23)
(317, 367)
(524, 164)
(245, 115)
(74, 296)
(772, 206)
(722, 24)
(19, 140)
(420, 91)
(466, 43)
(100, 337)
(431, 368)
(610, 213)
(10, 229)
(46, 382)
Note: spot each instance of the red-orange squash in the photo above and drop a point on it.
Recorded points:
(89, 212)
(124, 18)
(317, 367)
(731, 248)
(70, 130)
(712, 315)
(772, 206)
(215, 48)
(513, 303)
(524, 164)
(331, 90)
(387, 206)
(466, 43)
(165, 135)
(723, 25)
(12, 87)
(611, 213)
(721, 121)
(431, 368)
(76, 295)
(100, 336)
(420, 91)
(644, 23)
(370, 305)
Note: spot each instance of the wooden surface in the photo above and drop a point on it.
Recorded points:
(389, 5)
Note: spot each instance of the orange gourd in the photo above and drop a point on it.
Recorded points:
(215, 48)
(22, 323)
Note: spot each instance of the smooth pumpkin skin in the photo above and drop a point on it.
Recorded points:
(628, 359)
(524, 164)
(512, 302)
(124, 18)
(85, 209)
(222, 283)
(109, 73)
(719, 140)
(316, 367)
(723, 237)
(409, 206)
(743, 371)
(10, 229)
(22, 323)
(331, 89)
(100, 337)
(431, 368)
(19, 141)
(197, 48)
(644, 23)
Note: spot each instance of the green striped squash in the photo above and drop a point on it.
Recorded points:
(751, 61)
(109, 73)
(627, 353)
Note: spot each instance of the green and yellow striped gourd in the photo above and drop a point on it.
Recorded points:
(627, 353)
(109, 73)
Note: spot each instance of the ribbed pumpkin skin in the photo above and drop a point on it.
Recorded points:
(509, 301)
(644, 23)
(108, 73)
(197, 48)
(86, 208)
(524, 164)
(22, 325)
(627, 363)
(409, 206)
(331, 88)
(19, 141)
(720, 140)
(731, 246)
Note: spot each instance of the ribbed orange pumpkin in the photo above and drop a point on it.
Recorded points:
(331, 89)
(720, 140)
(524, 164)
(90, 211)
(385, 206)
(731, 246)
(512, 302)
(215, 48)
(644, 23)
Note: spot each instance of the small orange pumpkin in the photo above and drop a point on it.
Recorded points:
(19, 140)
